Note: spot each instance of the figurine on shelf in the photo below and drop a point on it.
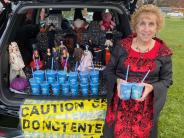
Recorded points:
(86, 62)
(61, 47)
(107, 23)
(78, 52)
(108, 43)
(48, 59)
(64, 59)
(16, 62)
(108, 46)
(55, 56)
(36, 63)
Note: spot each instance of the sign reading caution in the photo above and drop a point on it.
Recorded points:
(70, 118)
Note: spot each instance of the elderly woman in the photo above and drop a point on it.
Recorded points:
(141, 52)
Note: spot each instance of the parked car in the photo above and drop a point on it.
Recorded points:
(25, 25)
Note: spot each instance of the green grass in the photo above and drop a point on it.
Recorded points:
(171, 123)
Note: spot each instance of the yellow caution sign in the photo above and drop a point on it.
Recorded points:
(78, 118)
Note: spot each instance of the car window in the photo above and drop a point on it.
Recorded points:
(1, 7)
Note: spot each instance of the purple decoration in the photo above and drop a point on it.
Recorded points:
(19, 83)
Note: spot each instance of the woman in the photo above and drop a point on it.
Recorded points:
(142, 52)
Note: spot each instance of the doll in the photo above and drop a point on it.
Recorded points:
(55, 57)
(86, 61)
(61, 47)
(80, 27)
(107, 23)
(78, 52)
(64, 59)
(42, 21)
(48, 59)
(70, 40)
(16, 62)
(36, 63)
(79, 24)
(108, 46)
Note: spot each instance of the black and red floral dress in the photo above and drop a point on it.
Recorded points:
(131, 118)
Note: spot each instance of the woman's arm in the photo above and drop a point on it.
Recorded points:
(160, 87)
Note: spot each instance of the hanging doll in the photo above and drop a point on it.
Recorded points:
(78, 52)
(80, 26)
(42, 20)
(65, 59)
(36, 63)
(86, 61)
(48, 59)
(107, 23)
(55, 57)
(16, 62)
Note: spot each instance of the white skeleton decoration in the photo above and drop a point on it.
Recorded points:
(16, 62)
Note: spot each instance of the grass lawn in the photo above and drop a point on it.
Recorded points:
(171, 123)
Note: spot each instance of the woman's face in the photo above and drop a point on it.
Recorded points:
(146, 27)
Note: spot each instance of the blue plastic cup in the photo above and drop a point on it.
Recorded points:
(74, 89)
(39, 75)
(94, 88)
(51, 76)
(94, 76)
(35, 87)
(65, 89)
(55, 88)
(125, 91)
(137, 90)
(84, 89)
(32, 80)
(84, 77)
(73, 77)
(45, 88)
(61, 76)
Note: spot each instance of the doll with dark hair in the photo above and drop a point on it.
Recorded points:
(70, 40)
(48, 59)
(78, 52)
(55, 56)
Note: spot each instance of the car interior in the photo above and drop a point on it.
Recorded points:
(39, 29)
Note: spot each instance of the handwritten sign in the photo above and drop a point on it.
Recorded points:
(80, 118)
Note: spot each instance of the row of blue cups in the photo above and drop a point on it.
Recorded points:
(66, 88)
(131, 91)
(62, 76)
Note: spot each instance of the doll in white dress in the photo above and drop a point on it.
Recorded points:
(16, 62)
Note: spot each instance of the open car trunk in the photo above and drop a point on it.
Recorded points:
(31, 34)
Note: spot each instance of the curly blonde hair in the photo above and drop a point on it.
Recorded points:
(148, 9)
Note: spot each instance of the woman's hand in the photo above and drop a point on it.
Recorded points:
(119, 81)
(148, 88)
